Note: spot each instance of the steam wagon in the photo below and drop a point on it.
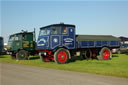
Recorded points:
(58, 42)
(21, 45)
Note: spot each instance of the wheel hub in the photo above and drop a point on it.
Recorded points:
(62, 56)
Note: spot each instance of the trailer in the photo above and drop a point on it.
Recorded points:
(21, 45)
(59, 42)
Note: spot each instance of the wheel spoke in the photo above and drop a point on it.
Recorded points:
(62, 56)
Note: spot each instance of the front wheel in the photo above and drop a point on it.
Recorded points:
(105, 54)
(22, 55)
(61, 56)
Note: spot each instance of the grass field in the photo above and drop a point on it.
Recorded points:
(118, 66)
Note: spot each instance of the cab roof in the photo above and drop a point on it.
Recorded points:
(61, 24)
(21, 33)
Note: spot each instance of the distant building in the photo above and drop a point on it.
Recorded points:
(123, 39)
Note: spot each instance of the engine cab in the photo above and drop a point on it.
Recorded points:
(55, 36)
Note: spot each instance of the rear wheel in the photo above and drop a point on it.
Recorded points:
(22, 55)
(105, 54)
(61, 56)
(87, 54)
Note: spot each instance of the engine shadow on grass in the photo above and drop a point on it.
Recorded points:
(76, 58)
(126, 53)
(34, 58)
(115, 55)
(1, 56)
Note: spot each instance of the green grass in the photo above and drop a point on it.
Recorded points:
(118, 66)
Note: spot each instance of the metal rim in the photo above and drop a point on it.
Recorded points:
(62, 56)
(21, 54)
(106, 54)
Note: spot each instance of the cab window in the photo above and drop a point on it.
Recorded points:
(11, 38)
(23, 37)
(55, 31)
(64, 31)
(45, 31)
(17, 37)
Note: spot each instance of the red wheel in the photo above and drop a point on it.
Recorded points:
(105, 54)
(61, 56)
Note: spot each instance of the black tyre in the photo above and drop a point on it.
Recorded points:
(87, 54)
(61, 56)
(22, 55)
(105, 54)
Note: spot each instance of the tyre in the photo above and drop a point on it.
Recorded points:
(61, 56)
(22, 55)
(104, 54)
(87, 54)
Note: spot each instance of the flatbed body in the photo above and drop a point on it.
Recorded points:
(96, 41)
